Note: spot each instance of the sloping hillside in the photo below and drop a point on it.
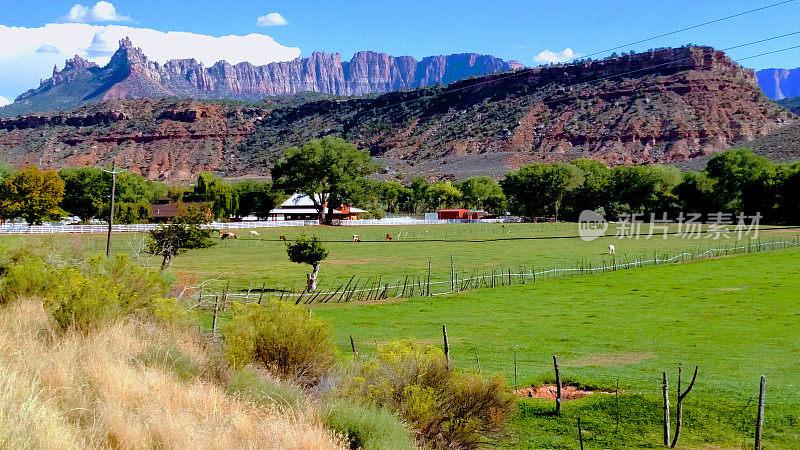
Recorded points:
(660, 106)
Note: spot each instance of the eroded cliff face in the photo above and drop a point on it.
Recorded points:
(662, 106)
(159, 139)
(130, 74)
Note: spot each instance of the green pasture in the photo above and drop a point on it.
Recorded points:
(735, 317)
(251, 262)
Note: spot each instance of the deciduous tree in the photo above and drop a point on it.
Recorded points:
(327, 170)
(31, 194)
(308, 251)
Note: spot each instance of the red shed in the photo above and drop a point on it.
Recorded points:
(453, 214)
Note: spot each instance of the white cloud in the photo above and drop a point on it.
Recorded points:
(21, 66)
(101, 12)
(4, 101)
(271, 20)
(548, 56)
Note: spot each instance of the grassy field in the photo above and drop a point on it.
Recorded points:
(251, 262)
(736, 318)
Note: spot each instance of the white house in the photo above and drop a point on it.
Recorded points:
(300, 207)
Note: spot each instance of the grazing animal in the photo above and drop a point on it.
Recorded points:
(227, 235)
(356, 238)
(283, 238)
(389, 236)
(612, 250)
(254, 233)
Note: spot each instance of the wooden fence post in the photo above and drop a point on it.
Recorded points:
(261, 295)
(214, 320)
(558, 385)
(515, 369)
(352, 344)
(428, 283)
(580, 433)
(446, 343)
(452, 275)
(760, 421)
(665, 387)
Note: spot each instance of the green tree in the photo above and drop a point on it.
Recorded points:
(477, 190)
(223, 197)
(392, 193)
(645, 188)
(443, 193)
(538, 189)
(257, 198)
(308, 251)
(86, 191)
(184, 233)
(419, 193)
(695, 193)
(31, 194)
(595, 191)
(327, 170)
(134, 188)
(734, 172)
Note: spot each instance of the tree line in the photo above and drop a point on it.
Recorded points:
(333, 172)
(734, 181)
(85, 192)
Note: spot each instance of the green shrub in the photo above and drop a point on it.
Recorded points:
(446, 408)
(284, 338)
(249, 384)
(171, 358)
(88, 292)
(367, 427)
(31, 278)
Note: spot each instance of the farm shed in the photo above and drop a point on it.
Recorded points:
(453, 214)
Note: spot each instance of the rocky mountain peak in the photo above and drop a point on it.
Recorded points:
(130, 74)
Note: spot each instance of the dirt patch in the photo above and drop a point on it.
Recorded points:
(548, 391)
(347, 262)
(610, 359)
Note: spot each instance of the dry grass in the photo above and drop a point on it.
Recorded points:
(78, 390)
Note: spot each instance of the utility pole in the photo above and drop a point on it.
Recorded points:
(113, 173)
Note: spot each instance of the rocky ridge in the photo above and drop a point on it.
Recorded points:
(662, 106)
(130, 74)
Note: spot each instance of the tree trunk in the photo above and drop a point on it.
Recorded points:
(312, 279)
(167, 261)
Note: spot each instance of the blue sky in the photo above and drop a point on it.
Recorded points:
(510, 29)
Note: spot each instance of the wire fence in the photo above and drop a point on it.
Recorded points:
(212, 296)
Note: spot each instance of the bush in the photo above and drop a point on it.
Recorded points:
(447, 408)
(284, 338)
(89, 292)
(248, 383)
(367, 427)
(28, 279)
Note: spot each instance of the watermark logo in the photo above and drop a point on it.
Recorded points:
(591, 225)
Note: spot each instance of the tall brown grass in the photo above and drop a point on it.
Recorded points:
(90, 389)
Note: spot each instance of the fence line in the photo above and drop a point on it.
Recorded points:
(139, 227)
(420, 285)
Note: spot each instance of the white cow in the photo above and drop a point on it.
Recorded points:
(254, 233)
(612, 250)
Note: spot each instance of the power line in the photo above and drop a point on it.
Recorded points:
(690, 28)
(593, 80)
(527, 70)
